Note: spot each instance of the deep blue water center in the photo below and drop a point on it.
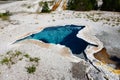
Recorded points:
(64, 35)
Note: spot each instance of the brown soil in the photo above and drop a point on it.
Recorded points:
(78, 71)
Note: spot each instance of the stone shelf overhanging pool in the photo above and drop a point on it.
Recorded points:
(63, 35)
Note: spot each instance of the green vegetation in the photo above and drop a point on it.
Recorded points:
(45, 8)
(35, 59)
(86, 5)
(28, 6)
(12, 57)
(5, 16)
(119, 30)
(18, 53)
(5, 60)
(82, 5)
(27, 55)
(111, 5)
(31, 69)
(41, 3)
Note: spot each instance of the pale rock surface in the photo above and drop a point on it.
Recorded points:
(56, 61)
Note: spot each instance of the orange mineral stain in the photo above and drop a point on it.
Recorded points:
(64, 6)
(56, 5)
(104, 57)
(116, 71)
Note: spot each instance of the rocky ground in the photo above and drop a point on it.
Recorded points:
(36, 60)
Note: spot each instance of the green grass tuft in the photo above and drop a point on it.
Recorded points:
(45, 8)
(5, 16)
(5, 60)
(31, 69)
(27, 55)
(12, 57)
(35, 59)
(17, 53)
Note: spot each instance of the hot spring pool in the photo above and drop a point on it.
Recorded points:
(63, 35)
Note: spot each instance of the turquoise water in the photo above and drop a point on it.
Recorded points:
(64, 35)
(56, 35)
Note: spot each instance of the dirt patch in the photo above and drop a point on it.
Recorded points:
(79, 71)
